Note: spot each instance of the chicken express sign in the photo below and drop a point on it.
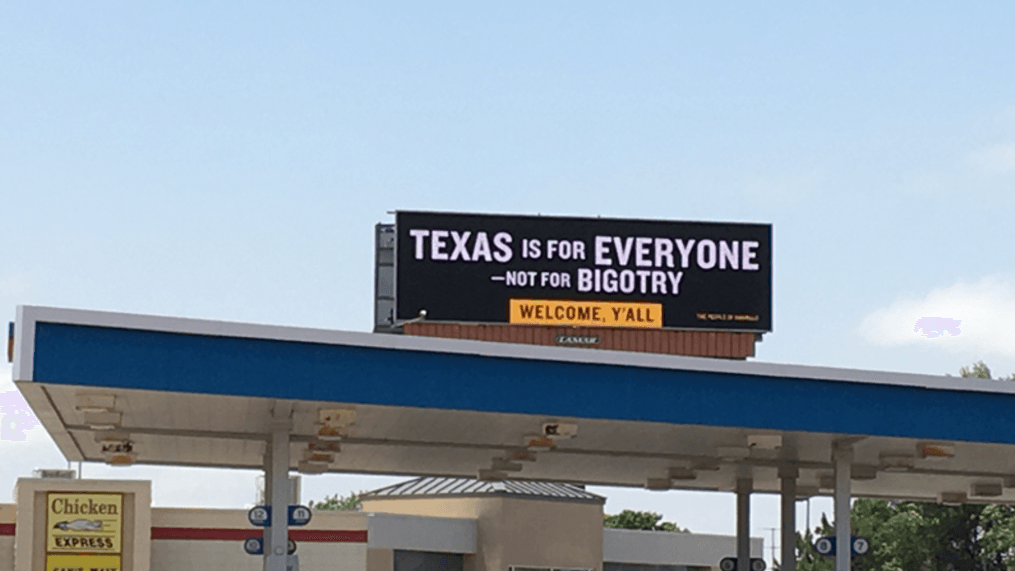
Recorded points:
(542, 270)
(84, 531)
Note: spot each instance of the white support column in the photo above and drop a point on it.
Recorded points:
(266, 499)
(843, 456)
(276, 539)
(787, 558)
(744, 486)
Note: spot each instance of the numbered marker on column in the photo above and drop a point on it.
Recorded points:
(254, 545)
(259, 516)
(299, 515)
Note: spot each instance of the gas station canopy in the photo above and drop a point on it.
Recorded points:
(188, 392)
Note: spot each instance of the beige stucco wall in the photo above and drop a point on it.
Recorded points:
(237, 519)
(434, 507)
(8, 514)
(547, 533)
(29, 552)
(188, 555)
(481, 509)
(512, 530)
(380, 559)
(228, 555)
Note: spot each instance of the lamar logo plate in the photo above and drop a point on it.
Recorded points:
(577, 340)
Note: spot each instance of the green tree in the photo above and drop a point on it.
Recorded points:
(352, 502)
(629, 519)
(919, 536)
(914, 536)
(809, 558)
(979, 370)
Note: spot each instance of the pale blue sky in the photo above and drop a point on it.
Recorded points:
(229, 161)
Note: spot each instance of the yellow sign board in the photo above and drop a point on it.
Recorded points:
(83, 563)
(84, 523)
(585, 313)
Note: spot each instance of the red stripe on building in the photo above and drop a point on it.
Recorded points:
(8, 529)
(213, 533)
(230, 534)
(329, 535)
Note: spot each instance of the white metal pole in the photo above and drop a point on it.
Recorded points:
(744, 486)
(843, 459)
(276, 547)
(787, 558)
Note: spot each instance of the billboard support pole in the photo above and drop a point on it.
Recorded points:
(276, 548)
(744, 486)
(843, 456)
(788, 476)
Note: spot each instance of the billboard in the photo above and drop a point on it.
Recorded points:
(545, 270)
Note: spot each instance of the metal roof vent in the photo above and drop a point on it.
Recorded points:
(986, 489)
(54, 474)
(952, 498)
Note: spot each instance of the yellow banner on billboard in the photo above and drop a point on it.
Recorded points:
(84, 522)
(585, 313)
(83, 563)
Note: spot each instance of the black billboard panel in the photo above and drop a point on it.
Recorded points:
(583, 271)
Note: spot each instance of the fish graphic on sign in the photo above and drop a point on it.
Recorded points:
(79, 525)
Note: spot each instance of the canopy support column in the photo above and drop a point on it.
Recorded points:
(744, 486)
(787, 477)
(843, 456)
(276, 483)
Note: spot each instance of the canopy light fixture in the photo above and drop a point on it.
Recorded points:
(765, 441)
(325, 446)
(309, 467)
(115, 435)
(522, 455)
(705, 467)
(95, 402)
(539, 442)
(490, 476)
(935, 450)
(658, 484)
(679, 473)
(896, 462)
(107, 420)
(806, 491)
(318, 457)
(733, 453)
(952, 498)
(985, 489)
(119, 453)
(121, 459)
(321, 452)
(114, 447)
(505, 465)
(863, 472)
(332, 423)
(558, 430)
